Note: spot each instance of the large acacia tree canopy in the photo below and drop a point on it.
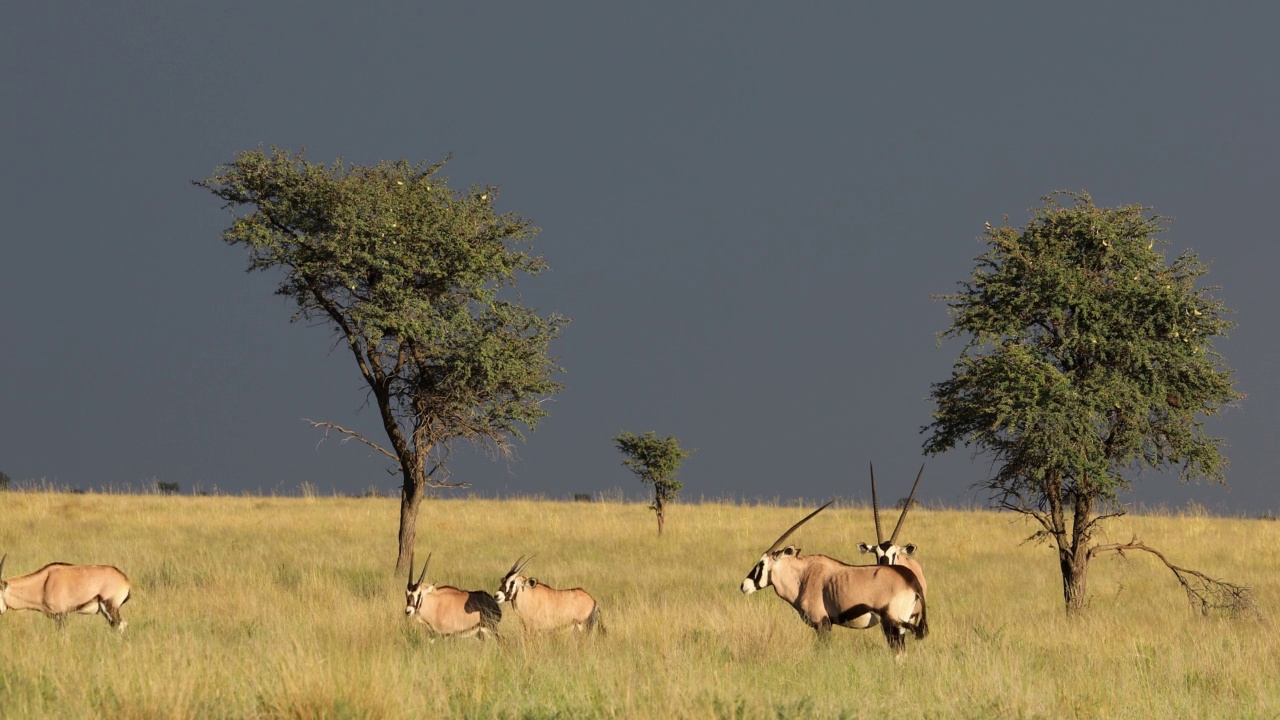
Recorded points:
(412, 275)
(1088, 354)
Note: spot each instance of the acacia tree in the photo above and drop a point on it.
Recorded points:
(655, 460)
(1089, 357)
(413, 278)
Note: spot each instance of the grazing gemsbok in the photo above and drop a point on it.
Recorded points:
(541, 607)
(60, 588)
(889, 552)
(828, 592)
(447, 611)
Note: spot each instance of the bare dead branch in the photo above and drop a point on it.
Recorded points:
(1105, 516)
(1204, 592)
(350, 435)
(431, 481)
(1088, 527)
(1018, 504)
(1037, 537)
(442, 480)
(439, 474)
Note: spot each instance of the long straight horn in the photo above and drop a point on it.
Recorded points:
(424, 569)
(906, 507)
(875, 507)
(778, 543)
(523, 564)
(2, 559)
(515, 566)
(410, 580)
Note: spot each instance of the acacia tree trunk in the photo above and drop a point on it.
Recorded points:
(410, 499)
(1073, 541)
(413, 467)
(1075, 566)
(1074, 558)
(658, 507)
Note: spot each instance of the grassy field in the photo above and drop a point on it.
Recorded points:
(250, 607)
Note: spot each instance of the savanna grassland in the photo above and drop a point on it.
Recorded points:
(255, 607)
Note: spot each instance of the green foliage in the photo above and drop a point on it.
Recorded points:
(415, 278)
(1089, 357)
(4, 481)
(409, 272)
(1088, 354)
(655, 460)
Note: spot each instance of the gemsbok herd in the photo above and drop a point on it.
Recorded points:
(823, 590)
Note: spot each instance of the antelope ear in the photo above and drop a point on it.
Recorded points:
(863, 547)
(533, 582)
(909, 548)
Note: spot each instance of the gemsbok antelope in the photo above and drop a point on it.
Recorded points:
(828, 592)
(61, 588)
(889, 552)
(448, 611)
(541, 607)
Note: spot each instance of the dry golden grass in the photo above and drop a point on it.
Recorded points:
(248, 607)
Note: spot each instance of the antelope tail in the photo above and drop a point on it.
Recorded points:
(593, 621)
(922, 628)
(483, 603)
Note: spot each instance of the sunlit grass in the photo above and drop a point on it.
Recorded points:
(288, 607)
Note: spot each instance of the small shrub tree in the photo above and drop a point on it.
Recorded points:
(655, 460)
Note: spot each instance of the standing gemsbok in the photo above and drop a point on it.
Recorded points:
(60, 588)
(828, 592)
(889, 552)
(541, 607)
(448, 611)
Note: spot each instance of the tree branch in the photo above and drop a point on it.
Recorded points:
(1015, 502)
(350, 435)
(1202, 591)
(353, 435)
(1088, 527)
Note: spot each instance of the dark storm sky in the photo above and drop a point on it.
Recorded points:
(746, 210)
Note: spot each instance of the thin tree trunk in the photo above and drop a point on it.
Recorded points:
(410, 499)
(657, 504)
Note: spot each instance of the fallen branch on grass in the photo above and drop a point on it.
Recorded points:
(1202, 591)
